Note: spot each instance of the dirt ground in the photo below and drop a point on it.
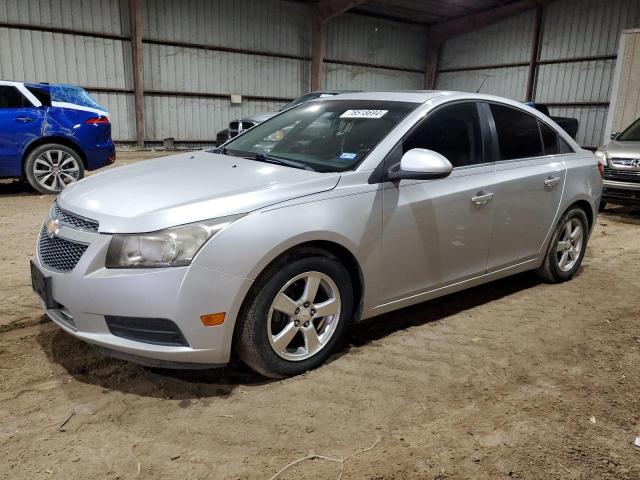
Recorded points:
(511, 380)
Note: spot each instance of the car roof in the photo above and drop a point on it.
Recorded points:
(10, 83)
(422, 96)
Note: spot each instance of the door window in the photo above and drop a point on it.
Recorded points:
(549, 139)
(564, 147)
(454, 132)
(518, 133)
(10, 97)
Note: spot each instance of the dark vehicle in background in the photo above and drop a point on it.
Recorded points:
(569, 125)
(51, 134)
(245, 123)
(621, 160)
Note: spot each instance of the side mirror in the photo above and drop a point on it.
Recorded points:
(615, 135)
(421, 164)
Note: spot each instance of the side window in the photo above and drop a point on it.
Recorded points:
(549, 139)
(453, 132)
(10, 97)
(41, 95)
(518, 133)
(565, 147)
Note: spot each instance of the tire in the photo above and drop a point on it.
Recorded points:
(552, 269)
(51, 167)
(278, 344)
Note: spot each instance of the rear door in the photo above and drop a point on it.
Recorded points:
(437, 232)
(531, 175)
(20, 123)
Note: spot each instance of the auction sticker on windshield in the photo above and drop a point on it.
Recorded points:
(363, 114)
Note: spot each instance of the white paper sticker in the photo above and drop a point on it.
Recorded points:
(363, 114)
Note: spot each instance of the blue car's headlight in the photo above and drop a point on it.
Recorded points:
(172, 247)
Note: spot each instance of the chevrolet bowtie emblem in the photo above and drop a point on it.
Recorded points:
(53, 227)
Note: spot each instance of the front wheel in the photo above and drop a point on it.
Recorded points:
(50, 168)
(566, 249)
(295, 316)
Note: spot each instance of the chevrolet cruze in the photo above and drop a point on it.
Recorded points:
(329, 213)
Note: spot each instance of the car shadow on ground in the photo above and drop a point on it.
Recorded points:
(622, 214)
(15, 188)
(87, 365)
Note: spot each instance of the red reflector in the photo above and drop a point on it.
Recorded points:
(102, 120)
(601, 168)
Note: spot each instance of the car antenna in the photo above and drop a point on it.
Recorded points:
(482, 84)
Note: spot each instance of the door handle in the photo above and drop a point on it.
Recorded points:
(482, 197)
(23, 119)
(551, 182)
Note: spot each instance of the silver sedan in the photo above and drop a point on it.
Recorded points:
(329, 213)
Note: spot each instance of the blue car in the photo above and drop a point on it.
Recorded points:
(51, 134)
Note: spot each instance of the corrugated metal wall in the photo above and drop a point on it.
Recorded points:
(571, 30)
(38, 48)
(196, 54)
(369, 45)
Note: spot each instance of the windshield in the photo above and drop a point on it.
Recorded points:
(75, 95)
(326, 136)
(631, 134)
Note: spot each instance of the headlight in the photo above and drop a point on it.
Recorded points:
(172, 247)
(601, 155)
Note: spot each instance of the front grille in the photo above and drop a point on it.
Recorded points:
(74, 221)
(58, 253)
(626, 162)
(237, 127)
(621, 175)
(156, 331)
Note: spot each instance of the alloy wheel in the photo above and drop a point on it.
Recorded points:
(54, 170)
(303, 316)
(570, 245)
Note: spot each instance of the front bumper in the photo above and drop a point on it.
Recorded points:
(90, 292)
(620, 192)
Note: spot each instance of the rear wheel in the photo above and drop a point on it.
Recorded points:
(50, 168)
(296, 314)
(567, 248)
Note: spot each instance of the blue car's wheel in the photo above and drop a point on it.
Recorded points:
(51, 167)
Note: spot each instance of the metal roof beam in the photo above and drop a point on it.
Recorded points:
(445, 30)
(328, 9)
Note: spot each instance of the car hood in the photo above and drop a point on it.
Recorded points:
(156, 194)
(623, 149)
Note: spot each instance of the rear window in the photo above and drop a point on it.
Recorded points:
(41, 95)
(76, 95)
(518, 133)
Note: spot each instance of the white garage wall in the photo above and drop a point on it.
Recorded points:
(571, 30)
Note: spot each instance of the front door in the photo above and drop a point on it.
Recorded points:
(437, 232)
(20, 123)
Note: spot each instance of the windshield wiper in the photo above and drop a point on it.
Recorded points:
(261, 157)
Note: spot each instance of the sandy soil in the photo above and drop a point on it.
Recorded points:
(511, 380)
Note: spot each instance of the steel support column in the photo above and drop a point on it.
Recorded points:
(135, 16)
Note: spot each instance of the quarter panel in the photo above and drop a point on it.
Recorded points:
(583, 183)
